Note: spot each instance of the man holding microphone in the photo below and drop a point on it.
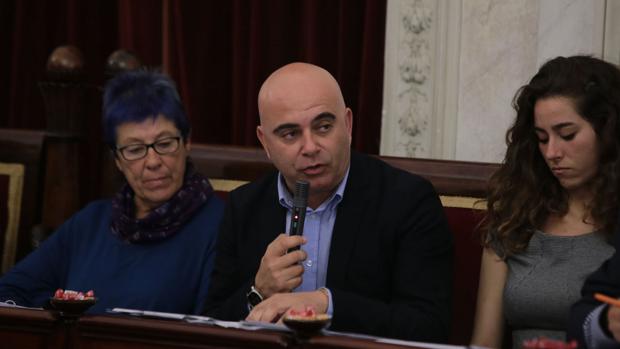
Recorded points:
(376, 250)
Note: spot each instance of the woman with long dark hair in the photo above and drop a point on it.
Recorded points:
(553, 203)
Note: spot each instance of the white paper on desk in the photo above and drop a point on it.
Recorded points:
(351, 335)
(394, 341)
(198, 319)
(256, 325)
(148, 313)
(12, 304)
(418, 344)
(227, 324)
(244, 325)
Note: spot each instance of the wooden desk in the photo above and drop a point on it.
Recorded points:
(119, 332)
(31, 329)
(40, 329)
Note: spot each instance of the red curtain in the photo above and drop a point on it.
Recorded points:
(30, 30)
(219, 53)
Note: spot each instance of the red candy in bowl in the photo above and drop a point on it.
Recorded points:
(546, 343)
(306, 322)
(72, 303)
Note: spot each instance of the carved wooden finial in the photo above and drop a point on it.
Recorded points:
(121, 60)
(65, 59)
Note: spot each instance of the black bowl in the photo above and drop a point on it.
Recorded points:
(307, 327)
(72, 307)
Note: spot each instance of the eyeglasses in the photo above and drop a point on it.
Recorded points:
(163, 146)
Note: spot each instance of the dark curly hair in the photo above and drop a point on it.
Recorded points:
(523, 192)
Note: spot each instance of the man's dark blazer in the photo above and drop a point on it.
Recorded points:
(390, 261)
(605, 280)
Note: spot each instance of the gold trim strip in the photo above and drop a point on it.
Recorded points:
(14, 204)
(463, 202)
(226, 185)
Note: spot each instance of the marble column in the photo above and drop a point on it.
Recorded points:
(452, 67)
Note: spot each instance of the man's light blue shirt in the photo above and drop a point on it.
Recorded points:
(318, 229)
(594, 335)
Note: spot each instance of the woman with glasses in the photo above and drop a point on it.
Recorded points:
(151, 247)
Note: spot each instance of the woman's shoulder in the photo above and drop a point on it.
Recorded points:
(86, 223)
(208, 217)
(94, 211)
(97, 205)
(213, 207)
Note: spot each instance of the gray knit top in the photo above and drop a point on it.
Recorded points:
(546, 279)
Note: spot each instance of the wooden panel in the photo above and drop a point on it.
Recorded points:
(26, 147)
(13, 200)
(139, 333)
(450, 178)
(61, 198)
(341, 342)
(453, 178)
(30, 329)
(38, 329)
(230, 162)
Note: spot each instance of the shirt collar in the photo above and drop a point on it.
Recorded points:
(286, 198)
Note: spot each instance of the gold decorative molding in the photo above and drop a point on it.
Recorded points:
(463, 202)
(14, 204)
(226, 185)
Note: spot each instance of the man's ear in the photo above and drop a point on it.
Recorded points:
(261, 137)
(348, 120)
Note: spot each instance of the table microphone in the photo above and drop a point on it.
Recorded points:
(300, 202)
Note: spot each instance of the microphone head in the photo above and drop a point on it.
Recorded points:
(301, 194)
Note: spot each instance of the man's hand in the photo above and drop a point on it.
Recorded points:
(613, 321)
(272, 309)
(280, 272)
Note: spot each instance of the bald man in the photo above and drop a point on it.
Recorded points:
(376, 251)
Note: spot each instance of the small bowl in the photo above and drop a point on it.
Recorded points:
(72, 307)
(306, 327)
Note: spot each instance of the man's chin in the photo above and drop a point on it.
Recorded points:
(321, 186)
(320, 183)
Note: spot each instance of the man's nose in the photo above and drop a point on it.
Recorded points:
(310, 145)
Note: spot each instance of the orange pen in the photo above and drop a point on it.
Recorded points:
(606, 299)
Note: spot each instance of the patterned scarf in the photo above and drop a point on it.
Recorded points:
(167, 219)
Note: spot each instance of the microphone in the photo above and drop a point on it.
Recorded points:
(300, 202)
